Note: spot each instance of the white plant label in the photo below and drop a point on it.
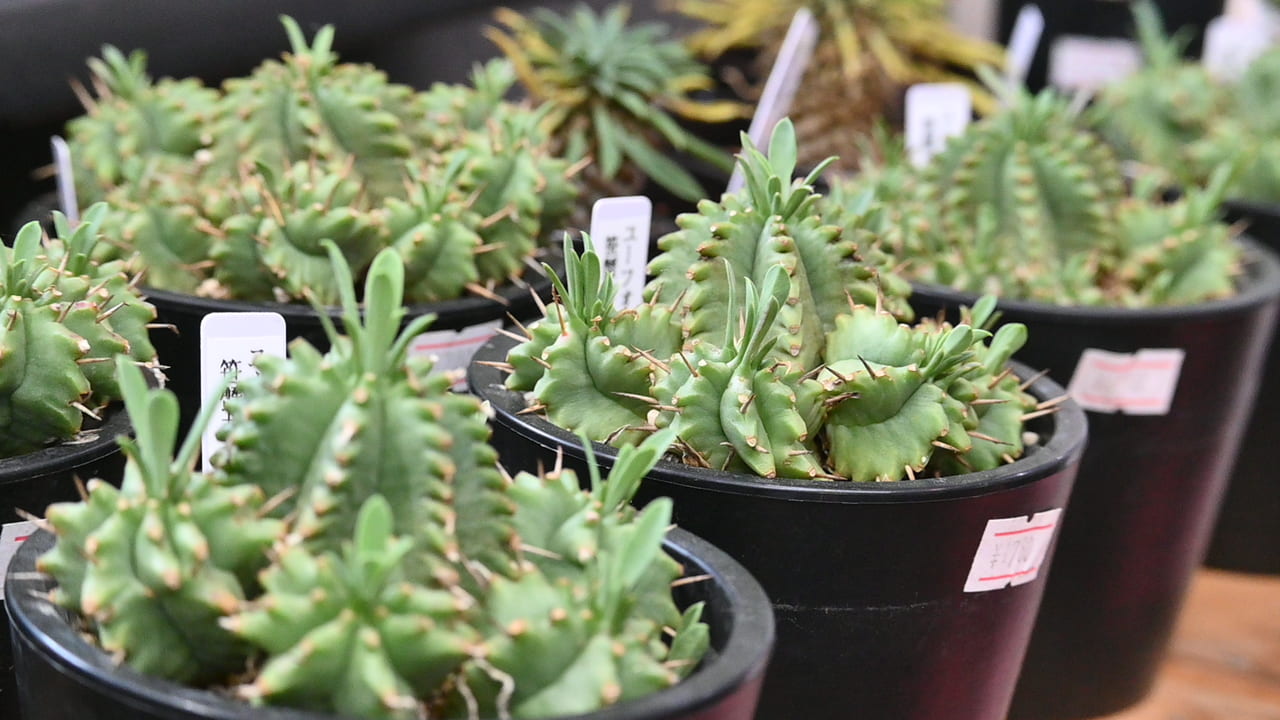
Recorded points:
(1012, 551)
(11, 537)
(229, 345)
(66, 178)
(1231, 43)
(1141, 383)
(620, 233)
(934, 113)
(1079, 62)
(1024, 39)
(452, 349)
(783, 81)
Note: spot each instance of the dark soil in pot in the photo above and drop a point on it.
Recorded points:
(1149, 489)
(1247, 537)
(867, 580)
(63, 677)
(31, 483)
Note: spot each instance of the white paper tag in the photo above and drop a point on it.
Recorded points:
(934, 113)
(1079, 62)
(1141, 383)
(229, 343)
(1232, 43)
(620, 233)
(1024, 39)
(65, 178)
(11, 537)
(452, 349)
(1012, 551)
(783, 81)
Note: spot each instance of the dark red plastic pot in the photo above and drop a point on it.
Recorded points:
(63, 677)
(867, 579)
(1149, 489)
(1247, 537)
(36, 480)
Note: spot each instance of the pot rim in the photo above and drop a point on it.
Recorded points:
(1067, 435)
(1259, 284)
(63, 456)
(740, 662)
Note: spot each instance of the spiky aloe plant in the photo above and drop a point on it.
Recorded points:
(1030, 204)
(868, 53)
(613, 91)
(402, 575)
(64, 318)
(760, 368)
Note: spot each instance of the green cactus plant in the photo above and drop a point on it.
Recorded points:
(308, 149)
(64, 319)
(1029, 203)
(358, 547)
(613, 90)
(754, 350)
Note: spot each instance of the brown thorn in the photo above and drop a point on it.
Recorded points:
(538, 407)
(1029, 381)
(487, 293)
(988, 438)
(1039, 413)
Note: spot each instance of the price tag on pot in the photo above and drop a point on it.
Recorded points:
(229, 344)
(452, 349)
(11, 537)
(65, 177)
(934, 113)
(620, 233)
(1078, 62)
(1012, 551)
(1023, 41)
(1232, 43)
(1141, 383)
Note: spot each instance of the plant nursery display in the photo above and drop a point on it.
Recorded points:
(616, 91)
(868, 54)
(803, 408)
(1155, 315)
(360, 552)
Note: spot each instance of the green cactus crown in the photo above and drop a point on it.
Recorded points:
(613, 89)
(755, 347)
(359, 549)
(1030, 204)
(231, 193)
(64, 319)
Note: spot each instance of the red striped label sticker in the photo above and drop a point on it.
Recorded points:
(1012, 551)
(1141, 383)
(11, 537)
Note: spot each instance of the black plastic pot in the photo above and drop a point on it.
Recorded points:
(63, 677)
(36, 480)
(1247, 537)
(867, 579)
(178, 348)
(1149, 490)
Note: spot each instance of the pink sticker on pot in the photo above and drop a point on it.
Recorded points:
(452, 349)
(11, 537)
(1012, 551)
(1141, 383)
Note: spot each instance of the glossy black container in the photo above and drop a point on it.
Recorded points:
(867, 579)
(1149, 490)
(32, 482)
(63, 677)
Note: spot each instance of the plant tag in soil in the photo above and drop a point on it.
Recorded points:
(65, 178)
(935, 112)
(1012, 551)
(229, 344)
(781, 85)
(452, 349)
(1079, 62)
(1141, 383)
(11, 537)
(620, 233)
(1024, 39)
(1231, 43)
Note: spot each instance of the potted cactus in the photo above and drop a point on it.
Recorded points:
(359, 552)
(64, 320)
(811, 425)
(224, 195)
(1157, 318)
